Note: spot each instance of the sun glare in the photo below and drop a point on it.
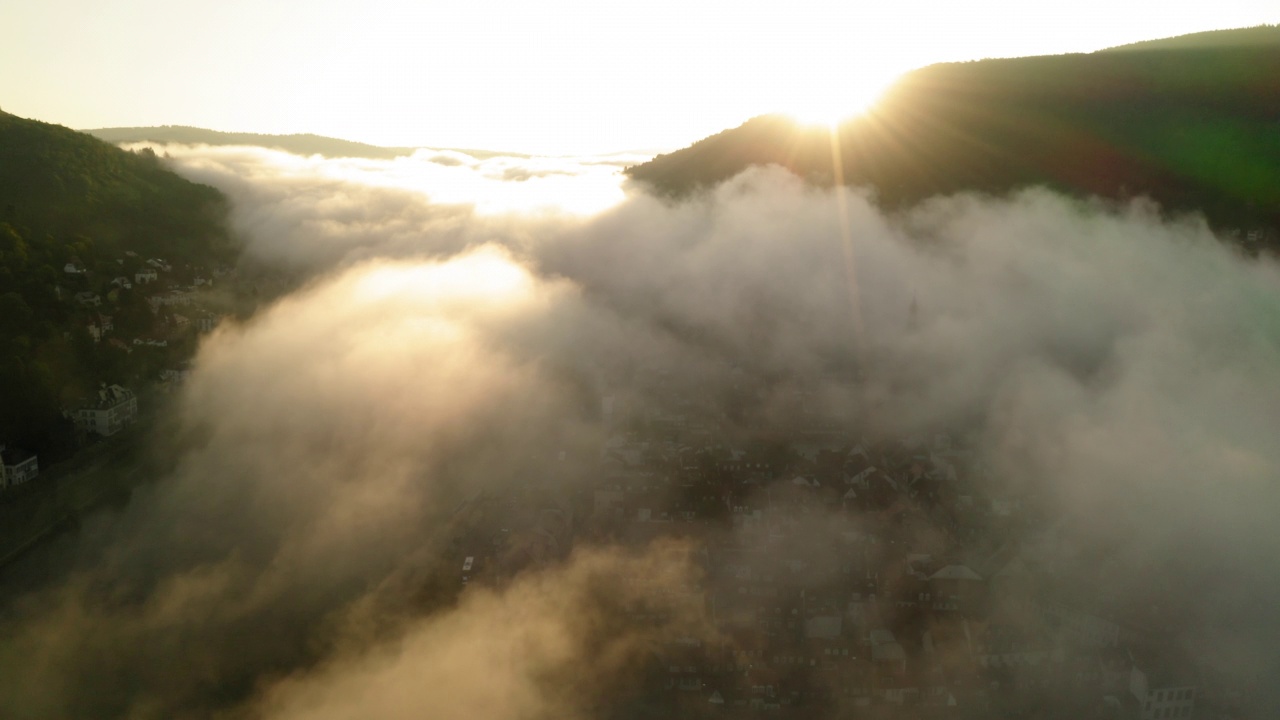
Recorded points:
(486, 275)
(838, 104)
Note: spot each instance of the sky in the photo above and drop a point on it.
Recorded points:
(558, 77)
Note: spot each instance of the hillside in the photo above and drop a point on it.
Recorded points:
(63, 184)
(1190, 122)
(77, 214)
(1240, 37)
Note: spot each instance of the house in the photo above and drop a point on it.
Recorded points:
(145, 276)
(955, 586)
(173, 297)
(889, 656)
(1160, 695)
(823, 627)
(122, 282)
(207, 322)
(110, 411)
(88, 299)
(170, 375)
(17, 467)
(998, 644)
(72, 268)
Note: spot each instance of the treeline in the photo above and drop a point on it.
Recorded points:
(1192, 125)
(70, 199)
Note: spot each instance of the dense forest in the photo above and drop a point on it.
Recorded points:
(1193, 122)
(75, 214)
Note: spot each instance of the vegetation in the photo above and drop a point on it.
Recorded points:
(1189, 121)
(67, 199)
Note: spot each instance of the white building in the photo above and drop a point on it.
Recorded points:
(207, 322)
(169, 299)
(17, 468)
(1161, 697)
(114, 409)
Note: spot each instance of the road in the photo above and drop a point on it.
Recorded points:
(64, 492)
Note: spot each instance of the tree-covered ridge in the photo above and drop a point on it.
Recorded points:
(298, 144)
(1194, 127)
(1259, 35)
(77, 216)
(63, 183)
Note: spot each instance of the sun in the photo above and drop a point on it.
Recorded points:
(829, 107)
(819, 117)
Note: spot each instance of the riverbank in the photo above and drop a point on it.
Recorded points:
(64, 492)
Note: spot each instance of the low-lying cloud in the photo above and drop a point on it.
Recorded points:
(461, 322)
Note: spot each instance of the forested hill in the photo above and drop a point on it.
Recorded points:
(60, 188)
(69, 201)
(1193, 122)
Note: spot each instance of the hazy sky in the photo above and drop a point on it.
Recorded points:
(553, 76)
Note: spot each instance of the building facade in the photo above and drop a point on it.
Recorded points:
(17, 468)
(113, 409)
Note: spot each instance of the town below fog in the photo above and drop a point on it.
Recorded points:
(888, 577)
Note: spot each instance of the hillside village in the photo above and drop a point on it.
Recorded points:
(851, 577)
(110, 267)
(135, 322)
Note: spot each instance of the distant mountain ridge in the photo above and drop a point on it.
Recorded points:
(1193, 122)
(298, 144)
(301, 144)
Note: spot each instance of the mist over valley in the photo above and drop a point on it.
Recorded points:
(489, 435)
